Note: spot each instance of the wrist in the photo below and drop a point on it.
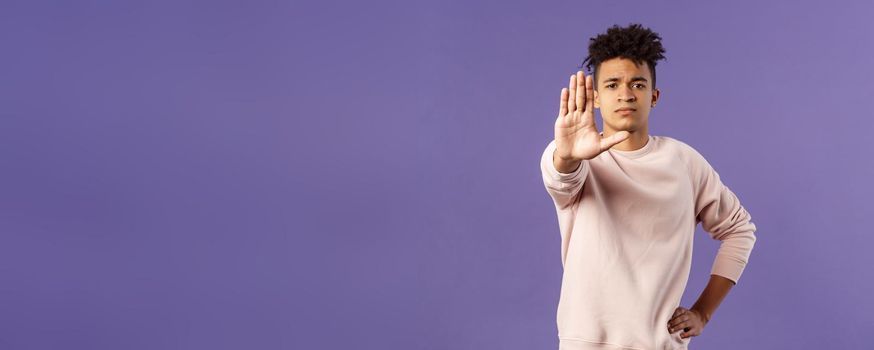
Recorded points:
(705, 317)
(562, 156)
(565, 166)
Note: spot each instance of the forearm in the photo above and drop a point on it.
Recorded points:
(716, 290)
(564, 166)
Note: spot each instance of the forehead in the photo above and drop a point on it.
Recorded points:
(622, 68)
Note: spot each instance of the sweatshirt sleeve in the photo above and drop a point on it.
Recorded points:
(720, 213)
(562, 187)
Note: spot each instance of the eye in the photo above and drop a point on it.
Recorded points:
(611, 85)
(640, 85)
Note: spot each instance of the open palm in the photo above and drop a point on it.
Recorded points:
(576, 136)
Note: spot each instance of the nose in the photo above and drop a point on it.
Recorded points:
(625, 95)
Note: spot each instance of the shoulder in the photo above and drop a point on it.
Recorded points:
(671, 142)
(697, 166)
(683, 149)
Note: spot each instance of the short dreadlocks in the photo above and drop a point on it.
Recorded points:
(634, 42)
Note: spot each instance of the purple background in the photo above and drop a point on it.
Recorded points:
(363, 175)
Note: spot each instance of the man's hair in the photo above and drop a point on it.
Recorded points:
(634, 42)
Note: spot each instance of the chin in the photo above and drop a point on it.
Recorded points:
(625, 125)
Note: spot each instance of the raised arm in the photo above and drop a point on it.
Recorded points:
(564, 163)
(576, 136)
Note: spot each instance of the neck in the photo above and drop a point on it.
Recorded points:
(635, 141)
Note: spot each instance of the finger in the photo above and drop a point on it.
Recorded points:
(681, 317)
(611, 141)
(677, 320)
(682, 326)
(581, 91)
(690, 333)
(572, 90)
(562, 106)
(590, 93)
(678, 323)
(677, 312)
(696, 331)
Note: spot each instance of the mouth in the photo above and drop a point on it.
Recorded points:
(625, 110)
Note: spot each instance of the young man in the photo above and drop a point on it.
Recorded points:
(628, 204)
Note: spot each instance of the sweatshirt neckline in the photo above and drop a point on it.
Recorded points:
(650, 143)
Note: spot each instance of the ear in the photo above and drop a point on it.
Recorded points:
(655, 96)
(597, 100)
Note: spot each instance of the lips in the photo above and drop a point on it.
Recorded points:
(626, 109)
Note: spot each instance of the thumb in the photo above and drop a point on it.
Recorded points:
(611, 141)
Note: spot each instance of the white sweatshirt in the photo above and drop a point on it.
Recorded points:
(627, 220)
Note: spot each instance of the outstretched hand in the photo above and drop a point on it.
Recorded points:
(576, 136)
(688, 322)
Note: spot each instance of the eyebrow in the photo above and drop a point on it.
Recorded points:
(637, 78)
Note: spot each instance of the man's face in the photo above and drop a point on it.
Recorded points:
(622, 85)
